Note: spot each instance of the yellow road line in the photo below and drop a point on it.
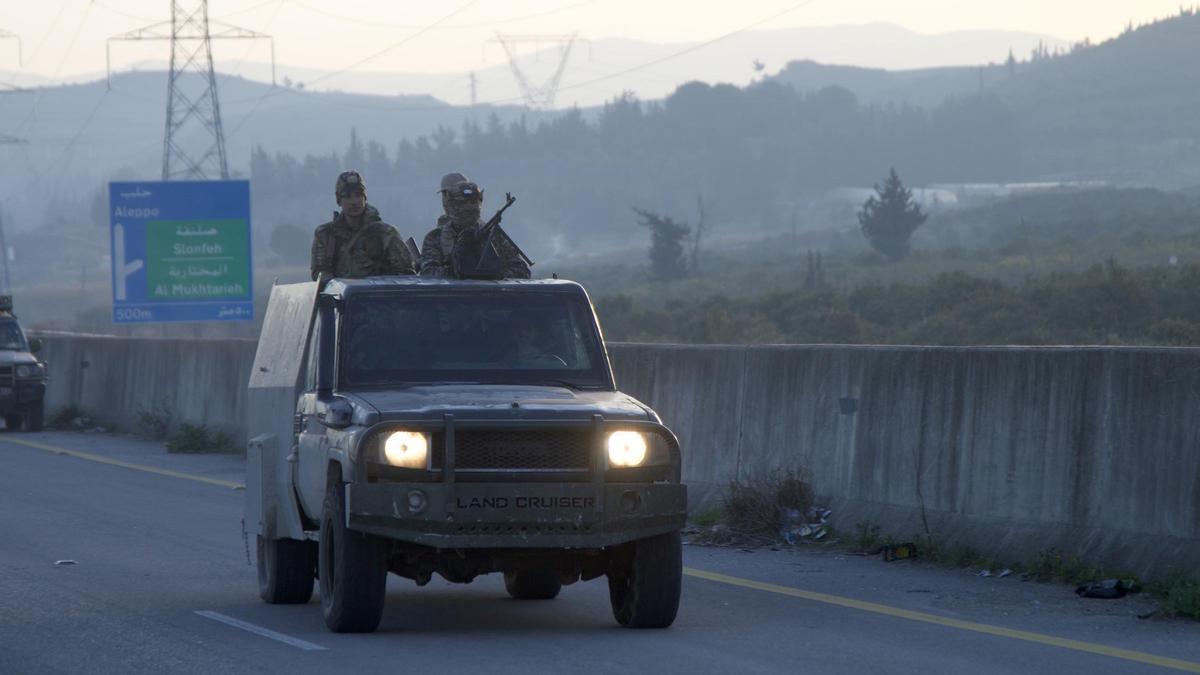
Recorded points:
(127, 465)
(1027, 636)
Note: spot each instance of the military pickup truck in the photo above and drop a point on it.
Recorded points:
(22, 375)
(420, 426)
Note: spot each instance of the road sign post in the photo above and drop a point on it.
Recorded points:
(181, 251)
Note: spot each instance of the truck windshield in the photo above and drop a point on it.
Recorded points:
(11, 338)
(486, 338)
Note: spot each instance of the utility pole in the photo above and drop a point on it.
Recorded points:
(7, 139)
(5, 35)
(192, 87)
(4, 255)
(538, 95)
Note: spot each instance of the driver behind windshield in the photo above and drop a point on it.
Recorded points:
(533, 345)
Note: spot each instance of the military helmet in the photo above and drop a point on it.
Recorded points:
(452, 179)
(458, 188)
(348, 182)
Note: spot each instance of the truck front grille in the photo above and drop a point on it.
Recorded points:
(519, 450)
(6, 376)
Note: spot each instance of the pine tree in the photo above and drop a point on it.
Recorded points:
(667, 259)
(889, 217)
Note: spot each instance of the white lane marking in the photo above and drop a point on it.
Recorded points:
(259, 630)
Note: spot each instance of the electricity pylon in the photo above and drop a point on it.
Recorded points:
(5, 35)
(192, 87)
(538, 95)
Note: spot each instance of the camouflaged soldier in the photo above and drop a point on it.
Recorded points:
(357, 243)
(462, 202)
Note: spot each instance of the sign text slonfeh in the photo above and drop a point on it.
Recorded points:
(181, 251)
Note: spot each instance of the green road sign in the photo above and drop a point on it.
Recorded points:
(197, 259)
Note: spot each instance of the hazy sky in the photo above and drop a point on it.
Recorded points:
(66, 38)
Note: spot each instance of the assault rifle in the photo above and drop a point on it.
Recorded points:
(474, 255)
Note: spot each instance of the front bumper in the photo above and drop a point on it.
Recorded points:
(599, 507)
(517, 515)
(15, 395)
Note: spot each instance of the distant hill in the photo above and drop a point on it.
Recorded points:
(79, 136)
(1122, 111)
(873, 45)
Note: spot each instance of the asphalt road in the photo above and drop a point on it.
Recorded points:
(161, 583)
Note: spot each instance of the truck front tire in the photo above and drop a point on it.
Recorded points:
(645, 580)
(352, 568)
(286, 569)
(532, 584)
(12, 422)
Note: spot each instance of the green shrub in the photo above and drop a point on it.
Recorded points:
(756, 510)
(201, 439)
(1178, 597)
(65, 417)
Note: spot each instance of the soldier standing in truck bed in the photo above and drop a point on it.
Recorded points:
(357, 243)
(462, 202)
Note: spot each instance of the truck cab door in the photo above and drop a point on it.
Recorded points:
(311, 436)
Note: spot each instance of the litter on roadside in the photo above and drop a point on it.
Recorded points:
(808, 525)
(65, 562)
(1109, 589)
(899, 551)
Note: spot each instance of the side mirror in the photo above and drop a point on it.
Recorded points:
(35, 345)
(334, 413)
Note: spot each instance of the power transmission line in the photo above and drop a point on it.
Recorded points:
(406, 39)
(668, 57)
(577, 85)
(190, 34)
(537, 95)
(452, 26)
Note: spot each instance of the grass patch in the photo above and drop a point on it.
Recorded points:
(155, 423)
(1177, 597)
(708, 518)
(866, 536)
(202, 439)
(756, 512)
(70, 417)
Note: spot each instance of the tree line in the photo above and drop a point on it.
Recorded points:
(755, 154)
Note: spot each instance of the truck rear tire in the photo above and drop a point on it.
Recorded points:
(645, 580)
(286, 570)
(352, 568)
(12, 422)
(35, 419)
(532, 584)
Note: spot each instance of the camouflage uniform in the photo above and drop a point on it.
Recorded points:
(378, 251)
(348, 249)
(460, 217)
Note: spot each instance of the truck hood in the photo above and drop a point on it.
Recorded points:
(13, 358)
(482, 400)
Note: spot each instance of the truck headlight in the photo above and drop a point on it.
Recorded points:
(28, 370)
(626, 448)
(407, 449)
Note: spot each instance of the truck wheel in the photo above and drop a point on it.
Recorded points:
(532, 584)
(286, 569)
(12, 422)
(352, 568)
(34, 420)
(644, 582)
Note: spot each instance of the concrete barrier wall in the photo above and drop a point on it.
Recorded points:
(1095, 451)
(118, 379)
